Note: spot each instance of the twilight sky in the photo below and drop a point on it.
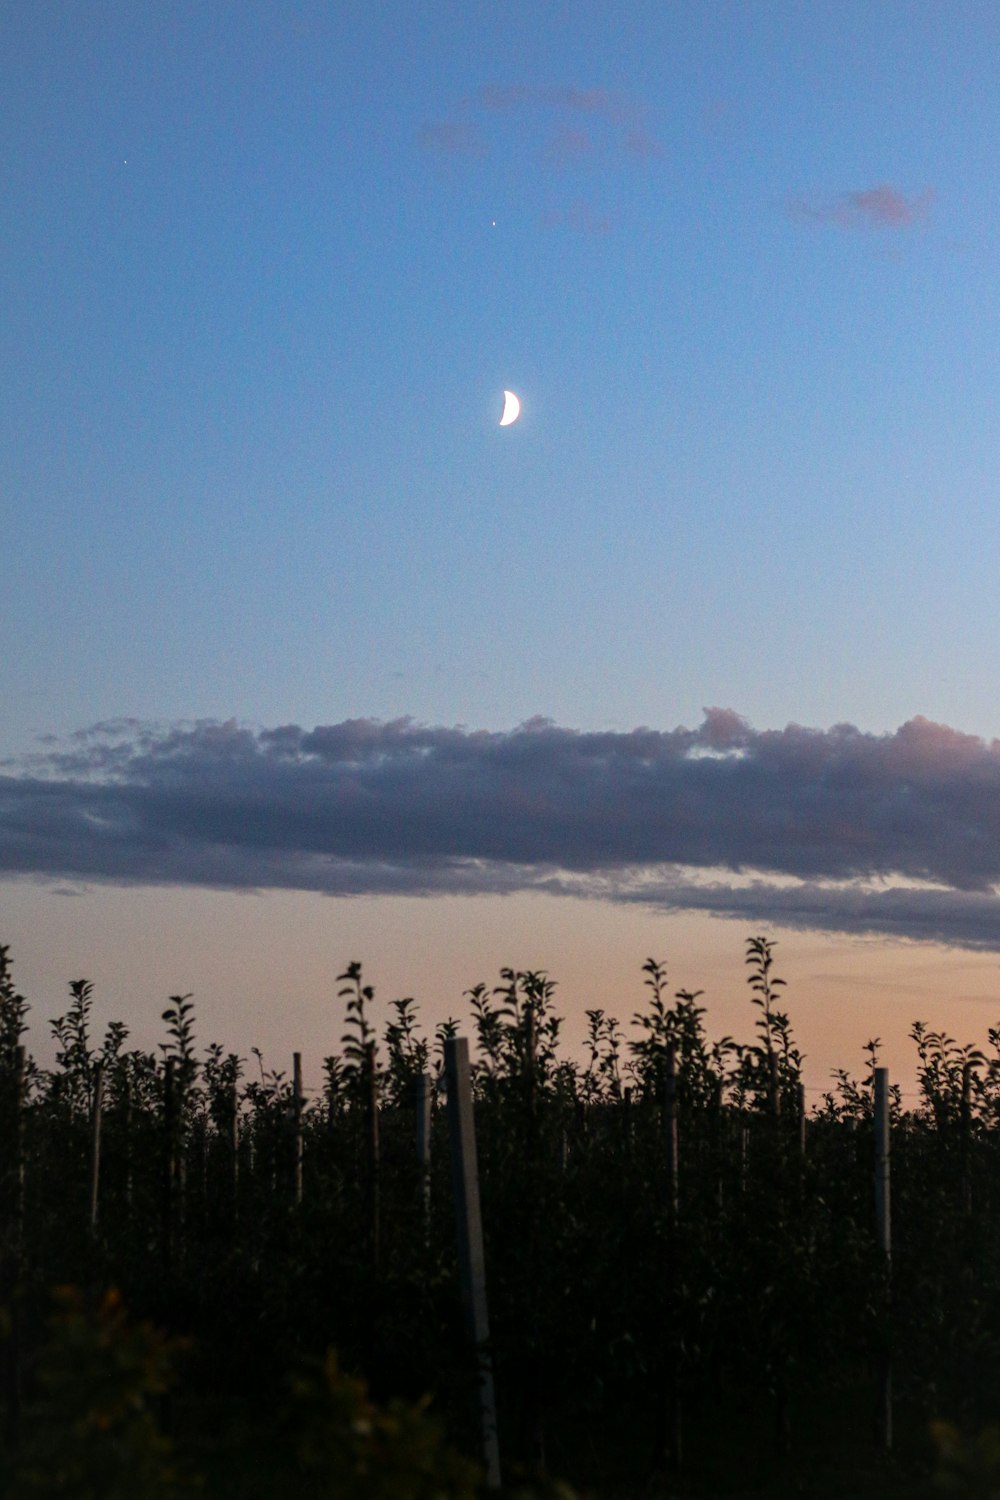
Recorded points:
(303, 658)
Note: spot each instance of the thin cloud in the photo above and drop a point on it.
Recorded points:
(641, 145)
(580, 217)
(568, 147)
(880, 207)
(885, 207)
(832, 829)
(621, 123)
(960, 919)
(454, 138)
(507, 97)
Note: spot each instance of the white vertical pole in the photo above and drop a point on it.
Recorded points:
(423, 1107)
(883, 1227)
(297, 1101)
(471, 1255)
(670, 1125)
(882, 1202)
(97, 1108)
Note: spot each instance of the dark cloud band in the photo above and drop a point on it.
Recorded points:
(893, 833)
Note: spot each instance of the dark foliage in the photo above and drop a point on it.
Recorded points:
(747, 1295)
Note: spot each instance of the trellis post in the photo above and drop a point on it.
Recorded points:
(297, 1144)
(423, 1093)
(471, 1254)
(883, 1229)
(97, 1108)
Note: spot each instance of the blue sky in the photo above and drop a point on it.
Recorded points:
(268, 270)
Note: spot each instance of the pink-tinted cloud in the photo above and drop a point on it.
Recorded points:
(595, 101)
(880, 207)
(503, 96)
(625, 120)
(718, 115)
(639, 144)
(496, 96)
(883, 205)
(568, 147)
(580, 216)
(452, 138)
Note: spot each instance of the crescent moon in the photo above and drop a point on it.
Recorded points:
(511, 409)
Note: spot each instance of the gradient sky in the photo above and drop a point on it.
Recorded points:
(267, 270)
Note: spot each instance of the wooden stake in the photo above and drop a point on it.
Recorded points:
(965, 1127)
(423, 1095)
(234, 1151)
(670, 1126)
(882, 1203)
(20, 1079)
(169, 1204)
(374, 1207)
(674, 1430)
(718, 1137)
(297, 1142)
(127, 1142)
(97, 1108)
(883, 1229)
(11, 1253)
(471, 1254)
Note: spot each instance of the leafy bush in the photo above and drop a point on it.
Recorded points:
(93, 1433)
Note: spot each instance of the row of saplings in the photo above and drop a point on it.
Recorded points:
(647, 1290)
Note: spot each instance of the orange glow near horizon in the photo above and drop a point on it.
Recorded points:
(262, 969)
